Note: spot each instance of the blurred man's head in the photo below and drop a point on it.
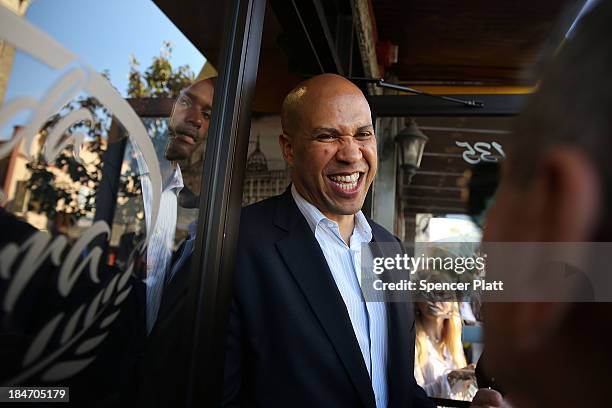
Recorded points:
(328, 141)
(190, 120)
(555, 187)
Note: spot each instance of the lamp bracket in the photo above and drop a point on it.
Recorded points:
(380, 82)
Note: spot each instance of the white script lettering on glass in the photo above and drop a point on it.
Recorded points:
(481, 151)
(78, 77)
(81, 331)
(93, 317)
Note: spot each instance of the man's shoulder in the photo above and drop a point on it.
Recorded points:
(261, 216)
(258, 224)
(261, 208)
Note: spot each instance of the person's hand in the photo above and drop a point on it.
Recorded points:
(488, 398)
(465, 374)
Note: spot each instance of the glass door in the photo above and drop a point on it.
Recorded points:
(116, 123)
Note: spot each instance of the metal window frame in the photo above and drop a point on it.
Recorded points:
(213, 260)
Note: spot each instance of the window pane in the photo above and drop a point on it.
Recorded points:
(267, 173)
(445, 201)
(104, 114)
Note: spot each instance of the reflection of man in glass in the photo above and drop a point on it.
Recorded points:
(188, 128)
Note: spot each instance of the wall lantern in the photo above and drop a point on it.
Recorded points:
(411, 143)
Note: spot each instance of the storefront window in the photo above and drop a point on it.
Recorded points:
(445, 201)
(454, 149)
(104, 114)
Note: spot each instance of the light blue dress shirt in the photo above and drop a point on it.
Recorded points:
(161, 244)
(369, 319)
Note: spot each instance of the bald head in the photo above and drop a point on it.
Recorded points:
(328, 141)
(321, 89)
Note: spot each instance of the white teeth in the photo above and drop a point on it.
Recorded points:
(346, 182)
(347, 186)
(352, 179)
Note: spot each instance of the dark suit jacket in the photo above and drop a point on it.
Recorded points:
(164, 364)
(291, 342)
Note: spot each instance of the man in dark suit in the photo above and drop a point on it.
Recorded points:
(162, 368)
(300, 332)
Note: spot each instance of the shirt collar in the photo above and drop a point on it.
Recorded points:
(176, 180)
(314, 217)
(362, 228)
(312, 214)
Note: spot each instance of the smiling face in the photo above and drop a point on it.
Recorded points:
(190, 120)
(330, 144)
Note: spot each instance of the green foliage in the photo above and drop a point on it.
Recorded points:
(68, 186)
(159, 79)
(136, 86)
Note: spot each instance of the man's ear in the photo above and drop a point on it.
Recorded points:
(286, 147)
(567, 191)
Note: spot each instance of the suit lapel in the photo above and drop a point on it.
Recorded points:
(306, 262)
(175, 290)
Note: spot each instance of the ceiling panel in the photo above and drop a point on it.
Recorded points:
(459, 41)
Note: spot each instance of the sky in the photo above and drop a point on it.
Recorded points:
(103, 33)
